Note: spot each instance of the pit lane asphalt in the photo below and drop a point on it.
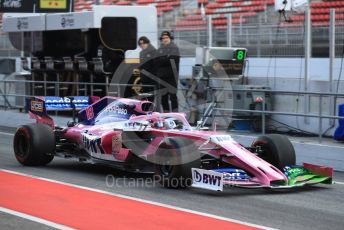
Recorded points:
(9, 222)
(318, 207)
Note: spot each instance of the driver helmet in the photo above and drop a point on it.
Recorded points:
(158, 123)
(170, 123)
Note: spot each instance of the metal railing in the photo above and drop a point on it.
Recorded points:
(334, 97)
(6, 93)
(265, 38)
(112, 89)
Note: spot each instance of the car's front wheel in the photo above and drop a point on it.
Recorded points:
(174, 160)
(275, 149)
(34, 144)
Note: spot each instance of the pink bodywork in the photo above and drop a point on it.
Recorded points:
(264, 173)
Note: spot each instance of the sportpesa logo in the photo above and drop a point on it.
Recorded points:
(79, 102)
(67, 100)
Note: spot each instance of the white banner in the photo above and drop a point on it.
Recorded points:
(34, 22)
(70, 21)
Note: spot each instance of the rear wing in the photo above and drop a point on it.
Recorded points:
(41, 105)
(37, 107)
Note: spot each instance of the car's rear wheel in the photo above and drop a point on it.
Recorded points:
(275, 149)
(174, 159)
(34, 144)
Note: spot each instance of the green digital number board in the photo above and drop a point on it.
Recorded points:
(240, 55)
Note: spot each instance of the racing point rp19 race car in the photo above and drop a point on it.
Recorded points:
(129, 135)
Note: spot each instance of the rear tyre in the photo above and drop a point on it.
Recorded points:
(174, 159)
(276, 149)
(34, 144)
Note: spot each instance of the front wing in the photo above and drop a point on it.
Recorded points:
(298, 176)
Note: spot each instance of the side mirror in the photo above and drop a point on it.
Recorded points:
(199, 125)
(71, 124)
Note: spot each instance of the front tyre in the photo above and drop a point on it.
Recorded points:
(276, 149)
(34, 144)
(176, 157)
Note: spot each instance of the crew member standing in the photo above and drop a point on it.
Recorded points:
(147, 67)
(167, 62)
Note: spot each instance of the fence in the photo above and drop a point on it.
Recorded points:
(6, 48)
(262, 37)
(265, 36)
(320, 115)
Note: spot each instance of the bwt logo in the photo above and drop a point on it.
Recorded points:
(92, 143)
(207, 178)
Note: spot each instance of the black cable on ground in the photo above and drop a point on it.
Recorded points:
(290, 130)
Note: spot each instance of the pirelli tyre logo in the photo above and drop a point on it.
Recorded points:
(207, 179)
(37, 106)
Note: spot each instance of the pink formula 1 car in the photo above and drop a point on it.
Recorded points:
(127, 134)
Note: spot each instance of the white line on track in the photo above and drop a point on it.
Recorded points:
(144, 201)
(7, 134)
(338, 182)
(293, 141)
(317, 144)
(34, 219)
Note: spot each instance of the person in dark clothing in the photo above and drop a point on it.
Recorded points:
(147, 67)
(167, 62)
